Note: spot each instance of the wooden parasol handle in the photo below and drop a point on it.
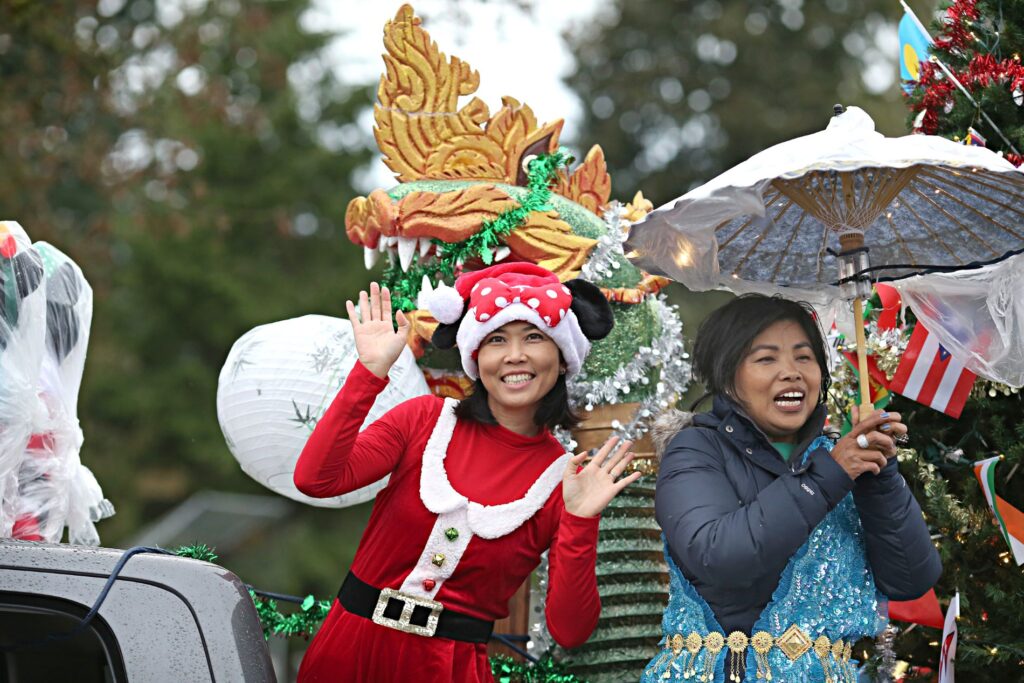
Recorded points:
(854, 241)
(866, 406)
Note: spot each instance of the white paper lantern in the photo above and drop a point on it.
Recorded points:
(278, 381)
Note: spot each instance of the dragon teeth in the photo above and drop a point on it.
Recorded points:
(370, 256)
(426, 289)
(406, 249)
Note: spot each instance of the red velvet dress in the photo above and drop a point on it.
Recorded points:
(501, 489)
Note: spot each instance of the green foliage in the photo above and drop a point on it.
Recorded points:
(197, 551)
(975, 558)
(547, 670)
(678, 92)
(303, 622)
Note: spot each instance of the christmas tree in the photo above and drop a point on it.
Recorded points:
(978, 43)
(938, 464)
(976, 560)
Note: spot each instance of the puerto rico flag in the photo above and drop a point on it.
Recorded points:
(928, 374)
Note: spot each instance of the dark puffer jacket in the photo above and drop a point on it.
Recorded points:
(734, 512)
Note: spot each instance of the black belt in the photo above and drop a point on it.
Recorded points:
(410, 613)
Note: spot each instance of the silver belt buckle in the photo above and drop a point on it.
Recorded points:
(410, 602)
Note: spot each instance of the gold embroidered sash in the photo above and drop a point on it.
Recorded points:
(697, 655)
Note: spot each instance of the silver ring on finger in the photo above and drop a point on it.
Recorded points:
(863, 442)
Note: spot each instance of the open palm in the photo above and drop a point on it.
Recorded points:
(378, 343)
(587, 492)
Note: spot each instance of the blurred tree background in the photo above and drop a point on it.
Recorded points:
(195, 159)
(677, 93)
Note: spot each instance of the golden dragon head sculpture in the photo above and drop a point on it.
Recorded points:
(459, 167)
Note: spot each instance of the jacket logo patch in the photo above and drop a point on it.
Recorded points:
(807, 488)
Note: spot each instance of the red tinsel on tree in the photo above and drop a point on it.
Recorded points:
(957, 36)
(939, 106)
(985, 70)
(938, 94)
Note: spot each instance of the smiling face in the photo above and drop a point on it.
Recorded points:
(778, 382)
(518, 366)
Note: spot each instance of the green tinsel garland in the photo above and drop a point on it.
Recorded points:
(405, 285)
(547, 670)
(305, 622)
(197, 551)
(302, 623)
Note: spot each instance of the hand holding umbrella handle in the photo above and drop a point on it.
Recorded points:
(870, 444)
(881, 430)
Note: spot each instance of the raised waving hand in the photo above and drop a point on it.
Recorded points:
(378, 343)
(587, 492)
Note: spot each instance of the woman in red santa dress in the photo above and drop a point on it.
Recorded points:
(478, 489)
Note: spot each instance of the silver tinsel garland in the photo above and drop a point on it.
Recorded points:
(666, 354)
(607, 256)
(540, 638)
(886, 654)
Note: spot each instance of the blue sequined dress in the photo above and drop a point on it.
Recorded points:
(825, 601)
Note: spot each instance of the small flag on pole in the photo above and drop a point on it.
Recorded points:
(925, 610)
(892, 306)
(947, 653)
(1009, 519)
(914, 44)
(974, 138)
(928, 374)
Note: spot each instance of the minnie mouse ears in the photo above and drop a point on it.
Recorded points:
(592, 309)
(572, 313)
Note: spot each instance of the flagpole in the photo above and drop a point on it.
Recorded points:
(951, 77)
(920, 26)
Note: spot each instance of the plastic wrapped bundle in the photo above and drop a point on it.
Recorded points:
(977, 315)
(45, 486)
(22, 329)
(56, 489)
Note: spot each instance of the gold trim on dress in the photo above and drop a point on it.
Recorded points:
(794, 643)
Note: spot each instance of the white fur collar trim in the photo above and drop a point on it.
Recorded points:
(486, 521)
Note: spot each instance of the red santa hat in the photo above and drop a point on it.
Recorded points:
(572, 314)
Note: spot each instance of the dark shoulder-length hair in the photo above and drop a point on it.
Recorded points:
(553, 410)
(725, 338)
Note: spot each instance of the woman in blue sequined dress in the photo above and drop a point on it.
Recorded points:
(783, 544)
